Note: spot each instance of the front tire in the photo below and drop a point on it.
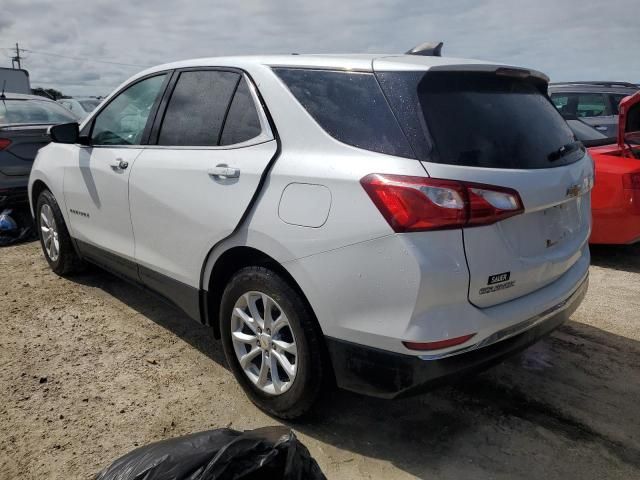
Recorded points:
(54, 237)
(272, 342)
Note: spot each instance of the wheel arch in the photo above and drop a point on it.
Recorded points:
(229, 262)
(36, 189)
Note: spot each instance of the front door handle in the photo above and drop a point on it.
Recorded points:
(224, 171)
(601, 128)
(119, 164)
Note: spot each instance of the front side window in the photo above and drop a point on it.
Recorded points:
(123, 120)
(197, 108)
(349, 106)
(591, 105)
(33, 112)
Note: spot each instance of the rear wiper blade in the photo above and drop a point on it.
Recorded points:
(565, 150)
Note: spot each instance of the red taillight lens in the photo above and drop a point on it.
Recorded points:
(449, 342)
(4, 143)
(631, 181)
(411, 204)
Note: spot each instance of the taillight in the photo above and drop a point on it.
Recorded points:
(411, 204)
(4, 143)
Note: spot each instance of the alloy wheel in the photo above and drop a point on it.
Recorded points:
(264, 342)
(49, 232)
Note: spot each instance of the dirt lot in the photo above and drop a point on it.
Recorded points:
(92, 367)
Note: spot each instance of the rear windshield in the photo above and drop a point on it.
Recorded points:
(479, 120)
(33, 111)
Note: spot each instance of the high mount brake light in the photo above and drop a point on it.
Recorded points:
(413, 204)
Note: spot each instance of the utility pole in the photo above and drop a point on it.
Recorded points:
(16, 60)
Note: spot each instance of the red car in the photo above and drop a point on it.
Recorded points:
(615, 199)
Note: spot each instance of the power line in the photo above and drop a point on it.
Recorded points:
(88, 59)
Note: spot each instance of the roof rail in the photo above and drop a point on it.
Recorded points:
(427, 49)
(602, 83)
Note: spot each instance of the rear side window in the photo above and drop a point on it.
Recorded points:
(583, 105)
(479, 120)
(33, 111)
(197, 108)
(242, 121)
(349, 106)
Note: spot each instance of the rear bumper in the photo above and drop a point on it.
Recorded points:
(385, 374)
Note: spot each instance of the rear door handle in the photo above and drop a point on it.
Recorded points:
(224, 171)
(119, 164)
(600, 128)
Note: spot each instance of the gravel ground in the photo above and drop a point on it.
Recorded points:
(91, 367)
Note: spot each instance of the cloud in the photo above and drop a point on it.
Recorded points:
(568, 40)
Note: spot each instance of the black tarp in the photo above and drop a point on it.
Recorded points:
(223, 454)
(16, 225)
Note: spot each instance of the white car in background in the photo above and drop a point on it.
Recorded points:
(382, 221)
(80, 107)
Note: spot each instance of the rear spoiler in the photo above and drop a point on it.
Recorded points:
(503, 70)
(540, 80)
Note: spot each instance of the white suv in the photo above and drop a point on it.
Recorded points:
(382, 222)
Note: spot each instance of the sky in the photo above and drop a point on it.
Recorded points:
(566, 39)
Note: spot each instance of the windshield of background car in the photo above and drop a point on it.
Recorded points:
(479, 120)
(32, 112)
(89, 105)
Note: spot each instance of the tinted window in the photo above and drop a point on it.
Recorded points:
(582, 105)
(197, 108)
(616, 98)
(242, 122)
(33, 111)
(591, 105)
(350, 107)
(123, 121)
(480, 120)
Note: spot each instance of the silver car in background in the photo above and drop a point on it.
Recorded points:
(595, 103)
(383, 222)
(80, 107)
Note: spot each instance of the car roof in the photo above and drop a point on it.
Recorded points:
(357, 62)
(594, 87)
(24, 96)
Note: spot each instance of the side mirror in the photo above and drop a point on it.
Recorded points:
(64, 133)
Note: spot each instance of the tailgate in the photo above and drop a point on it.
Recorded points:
(495, 126)
(526, 252)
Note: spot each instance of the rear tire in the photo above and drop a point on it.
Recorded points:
(294, 349)
(55, 240)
